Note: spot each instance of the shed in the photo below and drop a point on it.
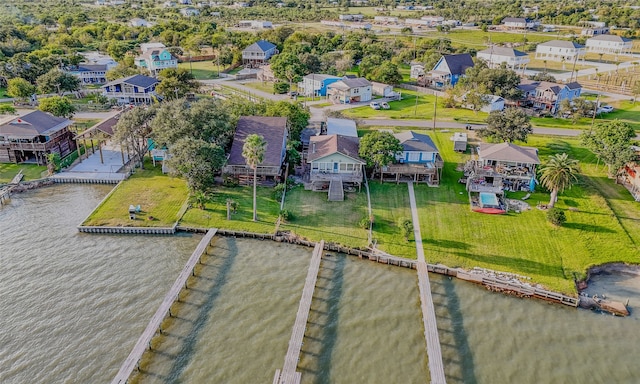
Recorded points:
(459, 141)
(343, 127)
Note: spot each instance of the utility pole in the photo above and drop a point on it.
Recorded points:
(415, 109)
(595, 111)
(435, 108)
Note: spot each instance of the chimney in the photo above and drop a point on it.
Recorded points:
(313, 147)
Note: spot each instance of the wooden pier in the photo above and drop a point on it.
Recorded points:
(434, 353)
(288, 375)
(144, 341)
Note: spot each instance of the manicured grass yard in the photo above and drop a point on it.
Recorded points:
(215, 213)
(389, 203)
(316, 218)
(160, 196)
(406, 109)
(3, 93)
(202, 70)
(30, 171)
(526, 243)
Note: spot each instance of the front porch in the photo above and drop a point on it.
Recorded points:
(429, 173)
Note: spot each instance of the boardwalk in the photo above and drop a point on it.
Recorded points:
(436, 368)
(144, 341)
(288, 375)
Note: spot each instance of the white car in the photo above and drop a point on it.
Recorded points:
(605, 109)
(374, 105)
(384, 105)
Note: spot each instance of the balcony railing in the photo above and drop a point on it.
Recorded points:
(352, 177)
(24, 146)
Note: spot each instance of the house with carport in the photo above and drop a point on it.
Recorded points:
(350, 90)
(419, 161)
(613, 44)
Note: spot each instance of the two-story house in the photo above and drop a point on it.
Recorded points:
(546, 95)
(156, 59)
(630, 174)
(417, 70)
(495, 56)
(315, 84)
(449, 69)
(275, 131)
(514, 23)
(258, 53)
(333, 162)
(136, 89)
(32, 137)
(613, 44)
(504, 166)
(560, 50)
(89, 73)
(349, 90)
(419, 161)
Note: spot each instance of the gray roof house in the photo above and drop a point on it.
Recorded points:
(258, 53)
(560, 50)
(419, 161)
(136, 89)
(33, 136)
(275, 132)
(504, 166)
(350, 90)
(449, 69)
(495, 56)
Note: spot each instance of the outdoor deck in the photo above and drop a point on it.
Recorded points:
(288, 375)
(434, 353)
(144, 341)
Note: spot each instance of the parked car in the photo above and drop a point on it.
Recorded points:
(605, 109)
(384, 105)
(374, 105)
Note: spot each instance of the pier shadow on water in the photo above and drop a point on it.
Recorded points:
(456, 353)
(322, 327)
(176, 345)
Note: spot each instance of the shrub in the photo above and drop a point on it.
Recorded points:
(406, 227)
(556, 216)
(365, 222)
(285, 215)
(280, 88)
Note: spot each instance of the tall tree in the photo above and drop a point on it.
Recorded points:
(379, 148)
(297, 116)
(611, 142)
(120, 71)
(176, 83)
(557, 174)
(509, 125)
(197, 161)
(20, 88)
(57, 81)
(57, 106)
(132, 131)
(287, 66)
(387, 73)
(253, 152)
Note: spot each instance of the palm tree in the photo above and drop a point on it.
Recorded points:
(253, 152)
(558, 174)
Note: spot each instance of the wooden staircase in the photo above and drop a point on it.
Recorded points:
(336, 190)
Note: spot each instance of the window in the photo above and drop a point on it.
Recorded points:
(414, 156)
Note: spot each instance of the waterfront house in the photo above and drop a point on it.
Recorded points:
(419, 161)
(334, 164)
(275, 132)
(136, 89)
(449, 69)
(30, 138)
(512, 58)
(155, 59)
(503, 166)
(630, 174)
(560, 50)
(545, 95)
(315, 84)
(612, 44)
(258, 53)
(349, 90)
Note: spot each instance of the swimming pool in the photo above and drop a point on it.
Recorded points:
(489, 200)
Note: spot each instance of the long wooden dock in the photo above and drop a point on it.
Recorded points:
(288, 375)
(434, 353)
(144, 341)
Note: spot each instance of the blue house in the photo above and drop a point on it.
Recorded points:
(155, 60)
(546, 95)
(136, 89)
(315, 84)
(419, 161)
(449, 69)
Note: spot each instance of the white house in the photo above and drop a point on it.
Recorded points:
(385, 19)
(348, 91)
(417, 70)
(609, 44)
(138, 22)
(495, 56)
(255, 24)
(258, 53)
(559, 50)
(144, 47)
(494, 103)
(315, 84)
(381, 89)
(351, 17)
(515, 22)
(433, 20)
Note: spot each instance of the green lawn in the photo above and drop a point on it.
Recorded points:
(160, 197)
(316, 218)
(202, 70)
(215, 213)
(624, 111)
(30, 171)
(389, 203)
(408, 109)
(264, 86)
(3, 93)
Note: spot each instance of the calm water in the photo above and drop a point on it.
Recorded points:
(73, 305)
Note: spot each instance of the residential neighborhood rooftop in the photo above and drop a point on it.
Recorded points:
(509, 152)
(412, 141)
(273, 129)
(137, 80)
(33, 124)
(321, 146)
